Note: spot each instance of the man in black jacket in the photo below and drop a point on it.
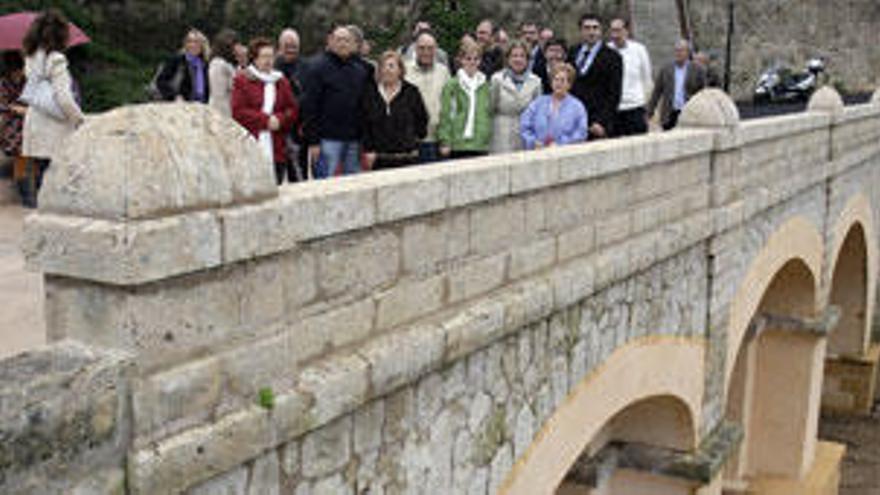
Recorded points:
(599, 81)
(331, 108)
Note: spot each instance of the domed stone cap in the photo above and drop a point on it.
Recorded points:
(875, 98)
(156, 160)
(826, 99)
(710, 108)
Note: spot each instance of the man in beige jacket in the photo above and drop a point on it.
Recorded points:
(427, 74)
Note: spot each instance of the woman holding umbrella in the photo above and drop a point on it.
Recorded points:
(45, 128)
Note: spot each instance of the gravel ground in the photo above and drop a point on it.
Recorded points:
(861, 466)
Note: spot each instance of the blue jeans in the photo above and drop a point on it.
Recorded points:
(429, 152)
(334, 153)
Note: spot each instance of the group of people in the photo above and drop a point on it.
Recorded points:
(340, 112)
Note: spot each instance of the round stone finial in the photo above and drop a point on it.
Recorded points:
(826, 99)
(155, 160)
(875, 98)
(710, 108)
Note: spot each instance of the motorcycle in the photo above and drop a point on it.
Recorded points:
(780, 84)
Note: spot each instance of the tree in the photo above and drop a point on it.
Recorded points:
(450, 19)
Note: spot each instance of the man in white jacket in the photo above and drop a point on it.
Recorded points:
(637, 80)
(429, 75)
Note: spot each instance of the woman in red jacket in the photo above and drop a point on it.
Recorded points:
(263, 103)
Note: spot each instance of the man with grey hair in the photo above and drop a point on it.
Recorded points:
(288, 60)
(676, 83)
(429, 75)
(409, 51)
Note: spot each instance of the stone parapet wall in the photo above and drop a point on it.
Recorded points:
(410, 329)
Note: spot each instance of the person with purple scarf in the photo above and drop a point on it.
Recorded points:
(555, 119)
(185, 75)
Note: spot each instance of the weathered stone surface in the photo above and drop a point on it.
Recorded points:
(401, 358)
(147, 161)
(232, 483)
(265, 476)
(327, 450)
(827, 100)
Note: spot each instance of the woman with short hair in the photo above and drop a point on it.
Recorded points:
(512, 89)
(45, 129)
(555, 119)
(394, 116)
(263, 103)
(465, 127)
(221, 71)
(185, 75)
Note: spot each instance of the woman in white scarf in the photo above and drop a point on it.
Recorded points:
(465, 127)
(263, 103)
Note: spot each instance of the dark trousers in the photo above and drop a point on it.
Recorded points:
(672, 121)
(429, 152)
(631, 122)
(29, 185)
(292, 171)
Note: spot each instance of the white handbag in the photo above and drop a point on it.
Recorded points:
(39, 93)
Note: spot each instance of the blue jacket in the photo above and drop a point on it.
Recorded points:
(538, 124)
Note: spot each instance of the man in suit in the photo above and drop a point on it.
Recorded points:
(599, 80)
(676, 83)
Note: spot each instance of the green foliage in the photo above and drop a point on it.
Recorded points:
(450, 20)
(267, 398)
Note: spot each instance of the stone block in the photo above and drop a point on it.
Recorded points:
(368, 423)
(357, 265)
(102, 482)
(475, 181)
(121, 253)
(327, 449)
(265, 476)
(86, 312)
(425, 244)
(410, 300)
(338, 385)
(251, 231)
(323, 208)
(497, 226)
(531, 258)
(473, 329)
(299, 270)
(613, 229)
(251, 367)
(261, 292)
(477, 277)
(531, 171)
(401, 358)
(183, 461)
(409, 193)
(231, 483)
(178, 398)
(576, 242)
(573, 282)
(347, 324)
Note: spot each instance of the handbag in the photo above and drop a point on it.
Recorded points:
(38, 93)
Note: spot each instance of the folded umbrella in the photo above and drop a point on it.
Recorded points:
(14, 27)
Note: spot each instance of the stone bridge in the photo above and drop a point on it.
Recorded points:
(664, 314)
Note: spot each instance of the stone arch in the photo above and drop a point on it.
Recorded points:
(779, 429)
(661, 371)
(852, 269)
(797, 239)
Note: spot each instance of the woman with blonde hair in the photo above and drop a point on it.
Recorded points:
(513, 88)
(185, 75)
(465, 127)
(555, 119)
(48, 121)
(394, 116)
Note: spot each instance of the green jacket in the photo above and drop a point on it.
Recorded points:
(453, 117)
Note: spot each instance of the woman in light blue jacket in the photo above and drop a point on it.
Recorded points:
(555, 119)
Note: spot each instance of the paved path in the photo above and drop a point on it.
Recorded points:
(21, 318)
(861, 466)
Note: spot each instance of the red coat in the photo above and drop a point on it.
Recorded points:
(247, 110)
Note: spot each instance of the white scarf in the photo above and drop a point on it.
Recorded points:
(269, 97)
(470, 85)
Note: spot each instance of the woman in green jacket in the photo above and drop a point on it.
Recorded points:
(465, 128)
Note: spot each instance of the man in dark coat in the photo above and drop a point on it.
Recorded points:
(599, 80)
(334, 87)
(676, 83)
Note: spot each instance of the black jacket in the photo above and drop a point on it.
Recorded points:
(600, 88)
(331, 108)
(176, 68)
(394, 128)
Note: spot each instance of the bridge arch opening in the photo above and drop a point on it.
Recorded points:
(625, 454)
(849, 293)
(775, 387)
(645, 399)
